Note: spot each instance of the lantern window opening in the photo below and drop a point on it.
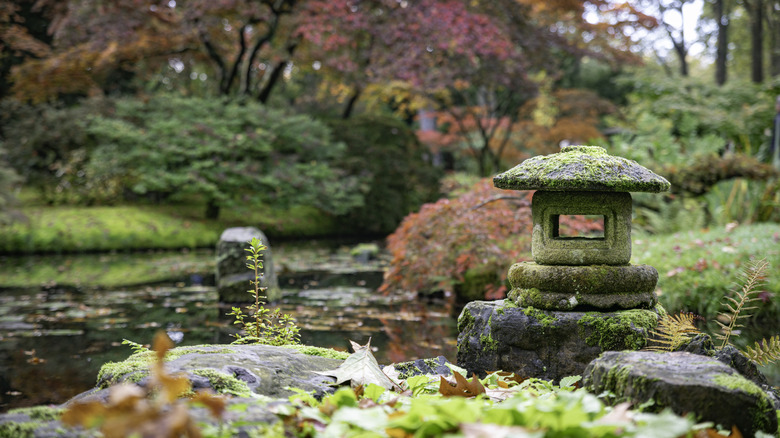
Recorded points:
(561, 231)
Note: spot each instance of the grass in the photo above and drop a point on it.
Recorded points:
(104, 270)
(65, 229)
(697, 269)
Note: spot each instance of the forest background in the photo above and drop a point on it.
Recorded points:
(138, 124)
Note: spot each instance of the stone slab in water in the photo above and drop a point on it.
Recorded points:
(233, 276)
(499, 335)
(685, 383)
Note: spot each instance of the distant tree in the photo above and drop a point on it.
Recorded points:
(224, 154)
(755, 9)
(8, 180)
(23, 34)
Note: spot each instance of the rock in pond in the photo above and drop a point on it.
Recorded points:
(257, 377)
(686, 383)
(547, 344)
(233, 276)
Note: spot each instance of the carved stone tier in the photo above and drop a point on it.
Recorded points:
(575, 287)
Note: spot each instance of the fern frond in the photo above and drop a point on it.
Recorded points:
(765, 351)
(753, 278)
(673, 331)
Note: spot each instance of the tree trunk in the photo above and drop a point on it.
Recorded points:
(756, 39)
(723, 41)
(212, 209)
(276, 74)
(681, 51)
(351, 103)
(773, 27)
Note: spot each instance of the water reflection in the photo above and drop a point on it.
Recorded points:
(54, 340)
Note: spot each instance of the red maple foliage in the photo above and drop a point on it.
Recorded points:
(485, 228)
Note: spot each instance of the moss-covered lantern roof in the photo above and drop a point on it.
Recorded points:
(581, 168)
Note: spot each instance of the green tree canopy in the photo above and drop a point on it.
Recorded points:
(224, 153)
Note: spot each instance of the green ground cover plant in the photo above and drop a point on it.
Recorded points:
(697, 269)
(63, 229)
(260, 325)
(104, 270)
(500, 405)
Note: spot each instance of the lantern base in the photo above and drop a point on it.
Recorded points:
(580, 287)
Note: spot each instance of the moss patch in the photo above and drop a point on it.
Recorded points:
(737, 382)
(136, 367)
(224, 383)
(624, 330)
(581, 168)
(319, 351)
(546, 319)
(409, 369)
(39, 413)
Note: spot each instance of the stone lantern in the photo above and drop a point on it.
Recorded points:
(572, 272)
(580, 296)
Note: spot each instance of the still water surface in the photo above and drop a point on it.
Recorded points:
(54, 337)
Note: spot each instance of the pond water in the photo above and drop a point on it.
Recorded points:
(57, 329)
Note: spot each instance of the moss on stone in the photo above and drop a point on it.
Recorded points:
(581, 168)
(40, 413)
(465, 321)
(14, 429)
(319, 351)
(410, 368)
(136, 367)
(224, 383)
(627, 329)
(737, 382)
(507, 304)
(488, 343)
(616, 379)
(546, 319)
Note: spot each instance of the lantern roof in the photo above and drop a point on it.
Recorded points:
(581, 168)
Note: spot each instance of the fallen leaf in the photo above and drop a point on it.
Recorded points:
(360, 368)
(462, 387)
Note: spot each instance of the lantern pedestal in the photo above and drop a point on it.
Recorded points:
(547, 344)
(598, 287)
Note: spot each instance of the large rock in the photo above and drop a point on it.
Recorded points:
(256, 377)
(498, 335)
(241, 370)
(233, 276)
(685, 383)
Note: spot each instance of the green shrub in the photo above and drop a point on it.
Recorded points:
(386, 152)
(227, 153)
(47, 144)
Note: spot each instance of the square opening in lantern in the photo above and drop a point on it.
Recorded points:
(562, 221)
(578, 226)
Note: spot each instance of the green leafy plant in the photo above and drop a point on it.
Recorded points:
(753, 277)
(765, 352)
(260, 324)
(674, 331)
(137, 348)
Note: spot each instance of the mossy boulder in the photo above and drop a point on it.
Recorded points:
(236, 370)
(499, 335)
(685, 383)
